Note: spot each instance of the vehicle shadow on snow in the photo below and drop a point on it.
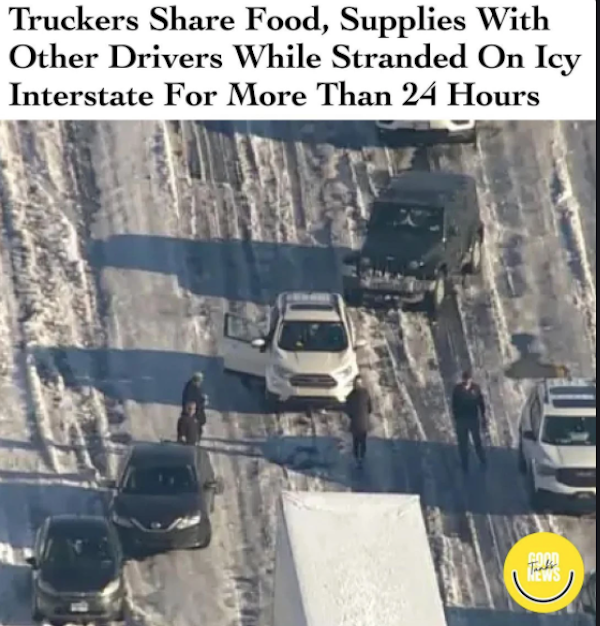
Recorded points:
(15, 594)
(398, 466)
(531, 365)
(351, 135)
(208, 264)
(147, 376)
(28, 504)
(459, 616)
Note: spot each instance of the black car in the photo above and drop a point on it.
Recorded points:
(77, 567)
(424, 229)
(164, 496)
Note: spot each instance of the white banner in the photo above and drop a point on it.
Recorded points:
(297, 60)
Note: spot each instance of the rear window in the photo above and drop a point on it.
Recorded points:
(160, 481)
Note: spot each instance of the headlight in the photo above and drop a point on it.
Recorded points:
(44, 587)
(111, 588)
(281, 372)
(545, 470)
(188, 522)
(121, 521)
(346, 372)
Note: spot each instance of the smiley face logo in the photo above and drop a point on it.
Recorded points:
(543, 572)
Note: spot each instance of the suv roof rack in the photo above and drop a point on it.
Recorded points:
(312, 301)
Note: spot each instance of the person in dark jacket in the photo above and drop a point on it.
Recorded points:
(468, 411)
(358, 409)
(188, 429)
(193, 393)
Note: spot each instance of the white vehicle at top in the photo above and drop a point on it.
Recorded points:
(464, 130)
(307, 353)
(557, 442)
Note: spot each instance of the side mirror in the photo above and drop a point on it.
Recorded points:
(361, 343)
(31, 562)
(258, 343)
(528, 434)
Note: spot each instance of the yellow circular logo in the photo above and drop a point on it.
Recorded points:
(543, 572)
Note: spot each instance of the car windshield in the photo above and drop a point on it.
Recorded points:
(569, 431)
(388, 216)
(75, 548)
(313, 337)
(160, 481)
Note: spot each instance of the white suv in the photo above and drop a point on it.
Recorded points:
(307, 353)
(557, 442)
(462, 130)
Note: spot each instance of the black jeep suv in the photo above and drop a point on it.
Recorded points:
(424, 230)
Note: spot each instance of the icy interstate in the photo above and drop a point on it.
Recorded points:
(124, 243)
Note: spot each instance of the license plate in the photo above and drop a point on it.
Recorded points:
(80, 607)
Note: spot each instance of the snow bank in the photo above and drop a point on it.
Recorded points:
(346, 559)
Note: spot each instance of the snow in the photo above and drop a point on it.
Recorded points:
(123, 243)
(360, 560)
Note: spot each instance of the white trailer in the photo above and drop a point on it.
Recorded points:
(349, 559)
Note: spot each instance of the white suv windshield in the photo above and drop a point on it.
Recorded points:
(313, 337)
(569, 431)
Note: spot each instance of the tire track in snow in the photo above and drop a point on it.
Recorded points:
(405, 417)
(44, 207)
(241, 274)
(14, 202)
(578, 145)
(506, 396)
(496, 533)
(568, 214)
(133, 186)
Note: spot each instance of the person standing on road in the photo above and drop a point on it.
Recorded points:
(188, 429)
(468, 410)
(358, 409)
(193, 393)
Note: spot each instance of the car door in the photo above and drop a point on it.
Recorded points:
(38, 551)
(238, 354)
(532, 423)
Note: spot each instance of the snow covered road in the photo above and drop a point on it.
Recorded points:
(124, 244)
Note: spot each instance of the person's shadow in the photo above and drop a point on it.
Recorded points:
(530, 363)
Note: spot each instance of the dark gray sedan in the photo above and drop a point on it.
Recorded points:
(77, 568)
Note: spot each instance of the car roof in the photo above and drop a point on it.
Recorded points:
(163, 453)
(313, 306)
(569, 396)
(435, 189)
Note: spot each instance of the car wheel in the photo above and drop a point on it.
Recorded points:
(353, 297)
(470, 136)
(522, 462)
(207, 540)
(36, 615)
(272, 401)
(535, 497)
(121, 616)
